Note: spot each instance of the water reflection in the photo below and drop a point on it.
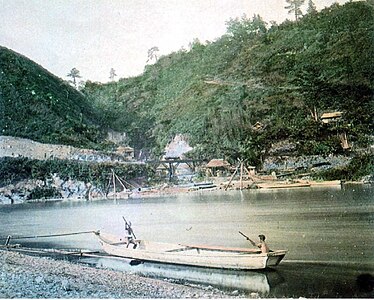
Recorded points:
(328, 232)
(259, 282)
(311, 280)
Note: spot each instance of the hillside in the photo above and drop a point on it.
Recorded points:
(37, 105)
(255, 86)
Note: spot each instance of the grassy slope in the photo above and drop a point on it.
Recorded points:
(36, 104)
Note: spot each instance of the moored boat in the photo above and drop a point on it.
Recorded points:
(278, 185)
(191, 255)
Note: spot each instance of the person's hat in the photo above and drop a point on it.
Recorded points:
(262, 237)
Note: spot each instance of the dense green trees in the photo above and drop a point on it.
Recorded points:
(17, 169)
(255, 85)
(233, 98)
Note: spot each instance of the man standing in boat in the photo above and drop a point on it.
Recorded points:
(130, 236)
(262, 244)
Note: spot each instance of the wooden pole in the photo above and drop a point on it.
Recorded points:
(245, 169)
(114, 185)
(7, 240)
(107, 188)
(120, 181)
(241, 175)
(232, 176)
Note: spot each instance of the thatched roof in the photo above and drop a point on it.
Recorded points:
(216, 163)
(122, 149)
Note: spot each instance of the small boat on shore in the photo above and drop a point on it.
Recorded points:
(279, 185)
(332, 183)
(191, 255)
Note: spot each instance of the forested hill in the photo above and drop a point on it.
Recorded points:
(256, 85)
(235, 97)
(36, 104)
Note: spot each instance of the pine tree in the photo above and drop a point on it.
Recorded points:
(294, 7)
(311, 8)
(152, 54)
(74, 74)
(112, 74)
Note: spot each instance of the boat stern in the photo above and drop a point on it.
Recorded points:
(274, 258)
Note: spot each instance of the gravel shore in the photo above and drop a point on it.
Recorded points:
(23, 276)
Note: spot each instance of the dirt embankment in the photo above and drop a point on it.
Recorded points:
(16, 147)
(20, 147)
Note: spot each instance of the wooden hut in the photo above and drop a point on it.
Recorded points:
(217, 167)
(126, 152)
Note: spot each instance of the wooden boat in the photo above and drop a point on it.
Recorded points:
(337, 183)
(279, 185)
(191, 255)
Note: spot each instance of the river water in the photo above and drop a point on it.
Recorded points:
(327, 231)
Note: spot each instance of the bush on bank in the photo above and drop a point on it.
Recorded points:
(359, 167)
(44, 193)
(13, 170)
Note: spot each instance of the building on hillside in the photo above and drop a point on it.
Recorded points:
(331, 117)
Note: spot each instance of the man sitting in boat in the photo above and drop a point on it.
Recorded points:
(262, 245)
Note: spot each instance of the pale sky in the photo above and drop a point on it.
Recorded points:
(97, 35)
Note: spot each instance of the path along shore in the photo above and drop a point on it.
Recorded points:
(24, 276)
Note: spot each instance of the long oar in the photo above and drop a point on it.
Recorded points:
(252, 242)
(19, 237)
(129, 227)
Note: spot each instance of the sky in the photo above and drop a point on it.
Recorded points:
(97, 35)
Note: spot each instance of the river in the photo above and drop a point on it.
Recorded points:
(328, 232)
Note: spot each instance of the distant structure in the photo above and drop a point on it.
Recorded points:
(331, 117)
(126, 151)
(116, 137)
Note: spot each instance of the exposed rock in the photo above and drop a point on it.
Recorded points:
(20, 192)
(312, 162)
(283, 148)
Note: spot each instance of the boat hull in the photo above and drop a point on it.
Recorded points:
(282, 185)
(200, 256)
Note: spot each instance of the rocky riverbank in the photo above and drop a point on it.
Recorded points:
(23, 276)
(66, 189)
